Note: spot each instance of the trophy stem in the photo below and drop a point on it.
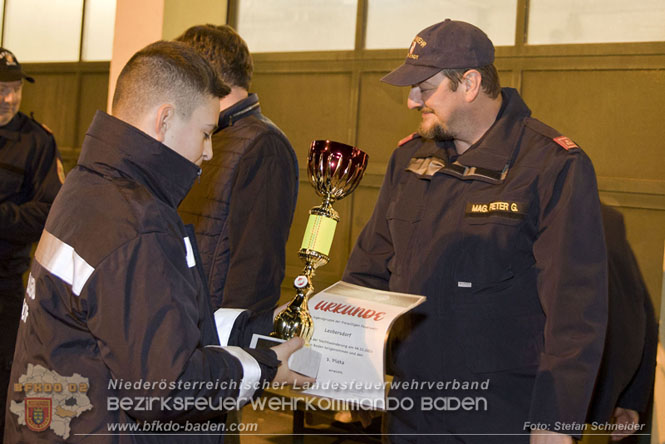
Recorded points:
(328, 200)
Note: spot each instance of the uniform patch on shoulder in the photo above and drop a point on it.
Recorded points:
(565, 142)
(46, 128)
(407, 139)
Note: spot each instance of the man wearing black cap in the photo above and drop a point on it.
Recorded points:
(30, 176)
(495, 217)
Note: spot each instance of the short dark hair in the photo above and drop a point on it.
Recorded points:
(226, 51)
(165, 71)
(489, 79)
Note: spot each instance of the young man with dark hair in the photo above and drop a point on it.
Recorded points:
(494, 216)
(117, 336)
(243, 207)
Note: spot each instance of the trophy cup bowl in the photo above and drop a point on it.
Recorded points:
(335, 170)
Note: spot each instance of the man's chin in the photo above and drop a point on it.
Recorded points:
(434, 132)
(5, 119)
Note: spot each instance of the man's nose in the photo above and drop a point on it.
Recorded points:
(207, 150)
(415, 100)
(9, 97)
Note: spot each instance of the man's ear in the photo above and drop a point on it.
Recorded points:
(471, 82)
(163, 119)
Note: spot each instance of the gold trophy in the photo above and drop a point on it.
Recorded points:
(335, 170)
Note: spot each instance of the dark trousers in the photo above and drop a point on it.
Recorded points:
(11, 303)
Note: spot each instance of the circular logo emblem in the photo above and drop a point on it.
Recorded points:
(300, 281)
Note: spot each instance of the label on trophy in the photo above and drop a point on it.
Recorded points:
(319, 234)
(352, 326)
(300, 281)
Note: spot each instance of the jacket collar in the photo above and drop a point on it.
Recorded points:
(239, 110)
(495, 148)
(115, 148)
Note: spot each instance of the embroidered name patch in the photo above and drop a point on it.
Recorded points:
(498, 208)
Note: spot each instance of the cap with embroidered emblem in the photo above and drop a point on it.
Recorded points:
(450, 44)
(10, 68)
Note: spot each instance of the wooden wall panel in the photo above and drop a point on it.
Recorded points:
(307, 106)
(52, 98)
(508, 78)
(615, 115)
(94, 95)
(383, 119)
(610, 115)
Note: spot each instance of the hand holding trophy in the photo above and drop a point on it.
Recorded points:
(335, 170)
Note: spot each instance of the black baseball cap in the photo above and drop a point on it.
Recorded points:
(450, 44)
(10, 68)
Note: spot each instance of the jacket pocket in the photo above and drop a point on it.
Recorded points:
(502, 343)
(493, 251)
(403, 217)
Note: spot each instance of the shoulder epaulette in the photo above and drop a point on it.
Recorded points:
(46, 128)
(408, 138)
(549, 132)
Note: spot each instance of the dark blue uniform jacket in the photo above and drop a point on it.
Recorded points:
(28, 184)
(116, 296)
(506, 242)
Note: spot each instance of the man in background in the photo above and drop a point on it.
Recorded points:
(30, 176)
(243, 207)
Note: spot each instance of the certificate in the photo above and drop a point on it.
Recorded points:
(351, 326)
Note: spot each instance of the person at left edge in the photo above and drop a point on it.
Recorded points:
(30, 176)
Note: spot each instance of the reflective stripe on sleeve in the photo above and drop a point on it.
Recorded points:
(191, 260)
(62, 261)
(224, 319)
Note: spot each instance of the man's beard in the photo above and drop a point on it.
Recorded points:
(436, 132)
(7, 114)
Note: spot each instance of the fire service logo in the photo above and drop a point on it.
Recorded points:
(37, 413)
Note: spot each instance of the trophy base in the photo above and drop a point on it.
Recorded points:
(304, 361)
